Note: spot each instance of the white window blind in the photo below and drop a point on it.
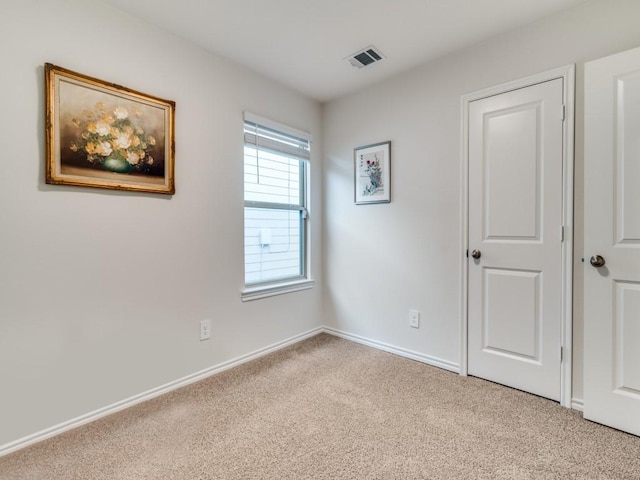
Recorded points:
(275, 214)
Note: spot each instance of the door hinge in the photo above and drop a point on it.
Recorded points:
(562, 235)
(563, 113)
(467, 253)
(561, 354)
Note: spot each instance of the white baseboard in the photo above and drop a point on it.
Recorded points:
(577, 404)
(148, 395)
(202, 374)
(429, 360)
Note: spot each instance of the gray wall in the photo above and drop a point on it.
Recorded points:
(382, 260)
(101, 292)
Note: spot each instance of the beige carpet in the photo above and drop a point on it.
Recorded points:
(327, 408)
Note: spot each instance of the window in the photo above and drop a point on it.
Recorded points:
(275, 205)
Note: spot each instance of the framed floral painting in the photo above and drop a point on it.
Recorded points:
(102, 135)
(372, 173)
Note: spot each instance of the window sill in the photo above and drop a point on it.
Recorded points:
(264, 291)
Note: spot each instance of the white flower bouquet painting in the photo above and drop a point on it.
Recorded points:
(107, 136)
(372, 173)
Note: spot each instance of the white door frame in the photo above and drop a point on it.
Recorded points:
(567, 73)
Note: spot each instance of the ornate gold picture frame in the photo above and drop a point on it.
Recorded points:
(102, 135)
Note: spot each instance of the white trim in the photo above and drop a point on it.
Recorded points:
(150, 394)
(256, 293)
(280, 127)
(464, 236)
(577, 404)
(567, 73)
(566, 375)
(37, 437)
(429, 360)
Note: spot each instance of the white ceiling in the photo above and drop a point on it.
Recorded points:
(303, 43)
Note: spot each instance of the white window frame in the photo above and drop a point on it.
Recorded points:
(254, 291)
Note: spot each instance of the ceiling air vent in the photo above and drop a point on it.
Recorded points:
(365, 57)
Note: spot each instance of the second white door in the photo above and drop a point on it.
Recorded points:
(515, 231)
(612, 241)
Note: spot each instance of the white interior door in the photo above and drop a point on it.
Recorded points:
(515, 225)
(612, 231)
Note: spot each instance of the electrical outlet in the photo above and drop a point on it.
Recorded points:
(205, 329)
(414, 318)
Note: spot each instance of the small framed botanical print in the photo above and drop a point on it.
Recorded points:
(372, 173)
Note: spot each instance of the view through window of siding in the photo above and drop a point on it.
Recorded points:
(274, 214)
